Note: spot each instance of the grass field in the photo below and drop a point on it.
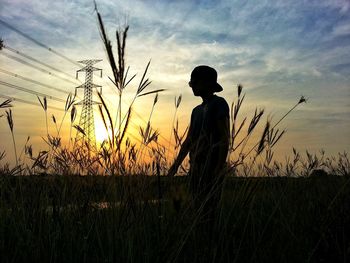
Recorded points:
(126, 219)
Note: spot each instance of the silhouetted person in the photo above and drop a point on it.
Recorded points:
(207, 143)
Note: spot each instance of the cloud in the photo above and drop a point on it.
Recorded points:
(342, 30)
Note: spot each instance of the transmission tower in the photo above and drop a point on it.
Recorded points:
(87, 115)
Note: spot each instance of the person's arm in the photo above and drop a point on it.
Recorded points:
(185, 148)
(223, 126)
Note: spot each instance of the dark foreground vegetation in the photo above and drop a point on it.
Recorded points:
(120, 219)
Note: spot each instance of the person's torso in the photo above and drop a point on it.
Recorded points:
(204, 128)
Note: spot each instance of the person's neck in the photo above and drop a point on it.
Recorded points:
(206, 97)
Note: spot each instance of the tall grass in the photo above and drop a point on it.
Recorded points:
(112, 148)
(10, 123)
(43, 104)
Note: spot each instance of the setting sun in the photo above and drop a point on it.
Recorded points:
(100, 131)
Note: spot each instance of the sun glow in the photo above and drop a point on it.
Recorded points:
(101, 132)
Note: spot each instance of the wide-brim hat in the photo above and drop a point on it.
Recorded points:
(208, 74)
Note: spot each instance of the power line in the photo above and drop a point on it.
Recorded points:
(36, 67)
(37, 61)
(32, 81)
(30, 91)
(38, 43)
(28, 102)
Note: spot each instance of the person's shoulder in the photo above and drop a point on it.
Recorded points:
(220, 100)
(221, 107)
(197, 109)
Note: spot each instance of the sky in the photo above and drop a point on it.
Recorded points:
(278, 50)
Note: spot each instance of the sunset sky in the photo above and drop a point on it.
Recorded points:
(278, 51)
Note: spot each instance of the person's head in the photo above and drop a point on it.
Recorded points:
(204, 81)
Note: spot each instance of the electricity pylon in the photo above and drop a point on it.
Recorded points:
(87, 122)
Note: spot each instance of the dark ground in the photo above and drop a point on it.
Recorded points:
(120, 219)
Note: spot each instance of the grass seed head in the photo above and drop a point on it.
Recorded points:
(6, 104)
(9, 119)
(43, 103)
(239, 89)
(73, 114)
(69, 102)
(79, 129)
(155, 99)
(302, 100)
(2, 155)
(53, 119)
(263, 138)
(178, 101)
